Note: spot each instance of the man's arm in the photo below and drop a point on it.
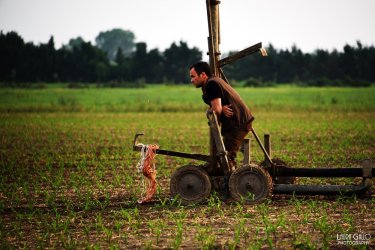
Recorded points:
(218, 108)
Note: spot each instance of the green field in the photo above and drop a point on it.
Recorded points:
(69, 177)
(184, 98)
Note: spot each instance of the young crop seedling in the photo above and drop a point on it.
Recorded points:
(205, 237)
(179, 234)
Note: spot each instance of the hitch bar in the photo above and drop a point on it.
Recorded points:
(138, 147)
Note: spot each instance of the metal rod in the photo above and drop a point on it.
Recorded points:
(267, 146)
(262, 147)
(137, 147)
(178, 154)
(223, 76)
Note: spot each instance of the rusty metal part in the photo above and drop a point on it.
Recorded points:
(191, 184)
(274, 170)
(322, 189)
(250, 184)
(368, 170)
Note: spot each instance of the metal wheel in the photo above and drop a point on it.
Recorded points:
(191, 184)
(250, 184)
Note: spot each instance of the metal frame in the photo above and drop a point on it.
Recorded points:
(366, 172)
(218, 161)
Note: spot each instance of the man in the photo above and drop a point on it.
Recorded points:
(233, 114)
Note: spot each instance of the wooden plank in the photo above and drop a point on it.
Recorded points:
(243, 53)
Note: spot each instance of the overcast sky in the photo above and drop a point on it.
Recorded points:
(309, 24)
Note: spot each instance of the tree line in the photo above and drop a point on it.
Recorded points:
(116, 60)
(351, 67)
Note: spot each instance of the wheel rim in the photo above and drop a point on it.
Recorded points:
(250, 183)
(191, 184)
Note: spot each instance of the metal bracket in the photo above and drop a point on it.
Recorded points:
(367, 168)
(245, 148)
(135, 142)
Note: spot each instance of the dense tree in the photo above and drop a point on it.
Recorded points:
(74, 43)
(177, 61)
(110, 41)
(11, 48)
(83, 63)
(156, 68)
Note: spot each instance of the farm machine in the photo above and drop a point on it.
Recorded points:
(249, 182)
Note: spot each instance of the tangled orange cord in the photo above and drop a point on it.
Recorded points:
(147, 166)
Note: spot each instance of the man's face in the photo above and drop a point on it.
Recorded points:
(196, 79)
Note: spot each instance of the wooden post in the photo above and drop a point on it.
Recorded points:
(214, 56)
(213, 18)
(246, 151)
(214, 34)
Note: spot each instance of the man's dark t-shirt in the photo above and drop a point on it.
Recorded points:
(218, 88)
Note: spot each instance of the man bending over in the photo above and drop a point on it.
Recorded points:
(233, 114)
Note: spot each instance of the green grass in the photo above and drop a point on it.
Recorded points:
(68, 177)
(180, 98)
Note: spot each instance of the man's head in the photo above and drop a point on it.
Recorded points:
(199, 73)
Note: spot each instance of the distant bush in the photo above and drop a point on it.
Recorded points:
(116, 84)
(346, 82)
(320, 82)
(22, 85)
(76, 85)
(254, 82)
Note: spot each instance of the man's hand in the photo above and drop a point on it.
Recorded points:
(227, 110)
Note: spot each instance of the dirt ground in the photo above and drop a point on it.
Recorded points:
(118, 221)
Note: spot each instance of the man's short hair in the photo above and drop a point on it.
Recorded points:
(202, 67)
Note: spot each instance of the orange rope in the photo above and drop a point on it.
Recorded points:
(147, 166)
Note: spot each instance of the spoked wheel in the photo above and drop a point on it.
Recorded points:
(191, 184)
(250, 184)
